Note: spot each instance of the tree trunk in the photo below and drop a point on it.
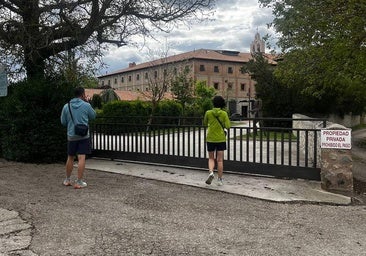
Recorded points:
(34, 66)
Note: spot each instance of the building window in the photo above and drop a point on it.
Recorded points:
(242, 87)
(155, 74)
(129, 78)
(216, 69)
(175, 71)
(115, 80)
(230, 86)
(109, 82)
(102, 82)
(216, 86)
(138, 77)
(202, 67)
(146, 75)
(122, 79)
(230, 70)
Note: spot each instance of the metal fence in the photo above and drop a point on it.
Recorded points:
(262, 149)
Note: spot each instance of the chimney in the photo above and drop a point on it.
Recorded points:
(131, 64)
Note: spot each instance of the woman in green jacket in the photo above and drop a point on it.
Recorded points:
(217, 121)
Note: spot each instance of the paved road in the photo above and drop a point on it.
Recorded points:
(125, 215)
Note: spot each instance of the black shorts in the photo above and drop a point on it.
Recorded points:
(81, 147)
(216, 146)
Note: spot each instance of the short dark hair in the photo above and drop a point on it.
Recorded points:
(218, 102)
(79, 91)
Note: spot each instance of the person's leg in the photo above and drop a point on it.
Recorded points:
(211, 161)
(71, 152)
(83, 149)
(81, 166)
(220, 163)
(69, 166)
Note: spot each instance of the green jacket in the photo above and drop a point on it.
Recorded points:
(215, 132)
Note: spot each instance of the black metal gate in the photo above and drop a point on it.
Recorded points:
(265, 150)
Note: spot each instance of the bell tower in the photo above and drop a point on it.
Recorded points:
(257, 45)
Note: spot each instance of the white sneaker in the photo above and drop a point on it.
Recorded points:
(219, 182)
(210, 178)
(80, 184)
(67, 182)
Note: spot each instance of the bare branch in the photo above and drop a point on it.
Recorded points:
(45, 28)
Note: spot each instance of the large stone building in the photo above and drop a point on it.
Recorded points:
(220, 69)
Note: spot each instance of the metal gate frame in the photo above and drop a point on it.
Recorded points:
(185, 146)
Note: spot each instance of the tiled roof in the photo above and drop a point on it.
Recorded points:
(203, 54)
(125, 95)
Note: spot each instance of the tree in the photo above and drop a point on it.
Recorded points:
(159, 77)
(109, 95)
(277, 99)
(203, 99)
(32, 32)
(68, 64)
(182, 87)
(325, 50)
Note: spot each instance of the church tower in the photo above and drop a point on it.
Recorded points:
(257, 45)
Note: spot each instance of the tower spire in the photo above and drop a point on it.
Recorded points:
(258, 44)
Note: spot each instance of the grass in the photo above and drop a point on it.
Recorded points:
(359, 127)
(271, 135)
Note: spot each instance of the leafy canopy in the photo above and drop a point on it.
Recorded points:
(325, 50)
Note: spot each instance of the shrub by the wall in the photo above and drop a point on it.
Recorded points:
(31, 113)
(168, 112)
(122, 111)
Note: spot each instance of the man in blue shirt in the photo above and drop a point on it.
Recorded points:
(77, 111)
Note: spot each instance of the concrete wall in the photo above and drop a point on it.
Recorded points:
(348, 120)
(299, 124)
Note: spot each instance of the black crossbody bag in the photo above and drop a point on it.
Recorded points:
(80, 129)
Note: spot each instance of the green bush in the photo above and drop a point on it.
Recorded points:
(122, 111)
(31, 114)
(96, 101)
(168, 112)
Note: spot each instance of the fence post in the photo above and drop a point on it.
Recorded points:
(336, 159)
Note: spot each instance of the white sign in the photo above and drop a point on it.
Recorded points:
(340, 139)
(3, 82)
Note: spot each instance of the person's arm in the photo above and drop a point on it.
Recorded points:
(91, 113)
(205, 119)
(227, 121)
(63, 117)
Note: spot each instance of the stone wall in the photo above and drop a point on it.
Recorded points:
(336, 170)
(336, 164)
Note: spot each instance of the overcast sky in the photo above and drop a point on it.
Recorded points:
(232, 27)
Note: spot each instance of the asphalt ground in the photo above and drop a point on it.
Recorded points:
(124, 214)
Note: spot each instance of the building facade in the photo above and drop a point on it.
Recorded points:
(219, 69)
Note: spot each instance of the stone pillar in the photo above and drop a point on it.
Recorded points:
(336, 167)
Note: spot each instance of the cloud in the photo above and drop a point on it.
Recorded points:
(232, 27)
